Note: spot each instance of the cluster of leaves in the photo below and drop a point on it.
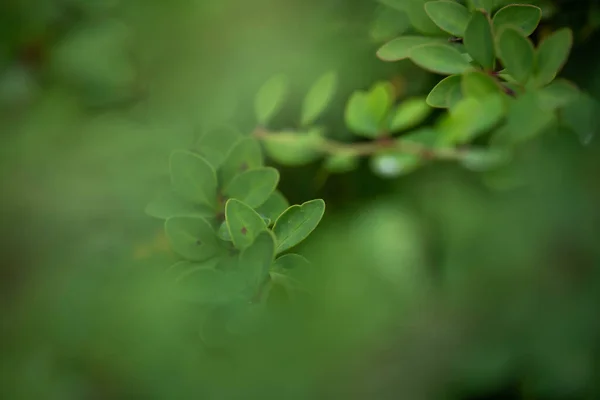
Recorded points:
(226, 219)
(500, 90)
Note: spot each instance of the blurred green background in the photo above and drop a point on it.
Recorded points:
(426, 287)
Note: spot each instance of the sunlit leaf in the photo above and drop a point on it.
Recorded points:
(399, 48)
(439, 58)
(409, 114)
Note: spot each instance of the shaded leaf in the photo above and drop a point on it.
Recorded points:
(193, 178)
(297, 222)
(552, 54)
(168, 204)
(289, 262)
(558, 94)
(389, 23)
(318, 97)
(254, 186)
(256, 260)
(479, 40)
(243, 222)
(274, 206)
(246, 154)
(516, 53)
(450, 16)
(215, 143)
(191, 237)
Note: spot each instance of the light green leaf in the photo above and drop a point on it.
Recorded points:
(191, 237)
(297, 222)
(254, 186)
(168, 204)
(399, 48)
(410, 113)
(454, 95)
(479, 84)
(438, 97)
(245, 154)
(256, 260)
(318, 97)
(294, 148)
(479, 40)
(439, 58)
(269, 98)
(558, 94)
(450, 16)
(357, 116)
(243, 222)
(223, 232)
(526, 17)
(342, 162)
(516, 53)
(393, 165)
(215, 143)
(193, 178)
(470, 118)
(274, 206)
(552, 54)
(379, 101)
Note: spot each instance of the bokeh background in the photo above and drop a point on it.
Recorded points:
(429, 286)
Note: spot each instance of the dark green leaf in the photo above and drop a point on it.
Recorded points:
(269, 98)
(254, 186)
(552, 55)
(409, 114)
(558, 94)
(449, 16)
(440, 58)
(191, 237)
(243, 222)
(246, 154)
(297, 222)
(523, 16)
(438, 97)
(399, 48)
(193, 178)
(484, 5)
(516, 53)
(479, 40)
(318, 97)
(168, 204)
(274, 206)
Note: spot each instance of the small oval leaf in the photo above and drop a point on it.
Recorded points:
(168, 204)
(439, 58)
(524, 16)
(191, 237)
(243, 222)
(246, 154)
(269, 99)
(438, 97)
(449, 16)
(297, 222)
(516, 53)
(274, 206)
(254, 186)
(479, 40)
(318, 97)
(552, 55)
(410, 113)
(399, 48)
(193, 178)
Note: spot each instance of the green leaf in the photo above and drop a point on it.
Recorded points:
(479, 40)
(269, 99)
(415, 9)
(470, 118)
(526, 17)
(479, 84)
(388, 23)
(485, 5)
(525, 119)
(297, 222)
(582, 116)
(215, 143)
(289, 262)
(342, 162)
(558, 94)
(409, 113)
(379, 101)
(517, 54)
(294, 148)
(438, 97)
(439, 58)
(206, 285)
(399, 48)
(449, 16)
(191, 237)
(193, 178)
(223, 232)
(274, 206)
(318, 97)
(357, 116)
(256, 260)
(243, 222)
(552, 54)
(393, 165)
(254, 186)
(245, 154)
(168, 204)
